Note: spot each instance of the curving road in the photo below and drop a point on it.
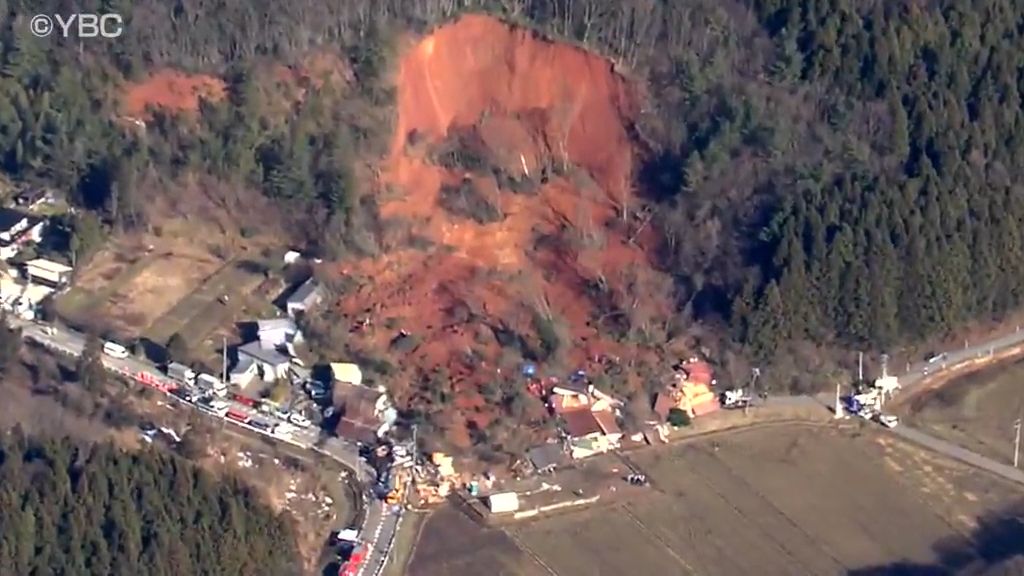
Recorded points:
(379, 523)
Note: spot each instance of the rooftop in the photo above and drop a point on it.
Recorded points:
(547, 456)
(306, 294)
(49, 266)
(665, 402)
(286, 324)
(347, 372)
(256, 351)
(606, 420)
(359, 432)
(9, 218)
(579, 423)
(357, 403)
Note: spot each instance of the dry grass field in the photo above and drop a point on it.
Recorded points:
(152, 287)
(774, 500)
(976, 410)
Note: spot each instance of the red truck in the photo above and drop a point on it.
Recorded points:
(355, 561)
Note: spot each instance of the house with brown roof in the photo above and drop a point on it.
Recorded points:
(366, 412)
(591, 432)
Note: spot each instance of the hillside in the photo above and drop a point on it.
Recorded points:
(573, 183)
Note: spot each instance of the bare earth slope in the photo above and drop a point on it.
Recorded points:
(551, 119)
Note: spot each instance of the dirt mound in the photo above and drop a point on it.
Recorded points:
(479, 68)
(170, 90)
(511, 165)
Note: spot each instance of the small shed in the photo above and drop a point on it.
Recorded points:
(503, 502)
(50, 272)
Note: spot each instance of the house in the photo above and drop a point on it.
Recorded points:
(48, 272)
(547, 457)
(366, 413)
(32, 198)
(270, 364)
(277, 332)
(566, 396)
(244, 372)
(694, 398)
(304, 298)
(346, 373)
(591, 432)
(18, 229)
(698, 372)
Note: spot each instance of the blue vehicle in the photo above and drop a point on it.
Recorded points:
(851, 404)
(260, 424)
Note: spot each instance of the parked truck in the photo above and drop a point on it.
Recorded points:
(212, 384)
(181, 373)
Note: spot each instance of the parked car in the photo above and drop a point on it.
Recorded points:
(260, 424)
(299, 420)
(888, 420)
(185, 393)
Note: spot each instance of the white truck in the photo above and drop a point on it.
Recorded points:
(212, 384)
(181, 373)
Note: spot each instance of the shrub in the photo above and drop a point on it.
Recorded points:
(678, 418)
(467, 201)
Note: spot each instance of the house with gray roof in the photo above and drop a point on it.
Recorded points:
(270, 364)
(277, 332)
(304, 298)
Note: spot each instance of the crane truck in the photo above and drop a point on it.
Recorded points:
(732, 399)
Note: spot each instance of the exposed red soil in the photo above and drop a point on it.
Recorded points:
(172, 91)
(533, 103)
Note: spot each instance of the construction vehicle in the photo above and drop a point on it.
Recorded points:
(732, 399)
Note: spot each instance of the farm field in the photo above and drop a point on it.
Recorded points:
(153, 287)
(775, 500)
(976, 410)
(451, 543)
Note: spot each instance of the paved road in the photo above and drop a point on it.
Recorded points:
(379, 524)
(958, 452)
(913, 378)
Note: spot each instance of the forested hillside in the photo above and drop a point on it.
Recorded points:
(67, 509)
(828, 171)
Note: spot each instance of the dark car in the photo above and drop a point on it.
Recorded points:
(260, 424)
(183, 393)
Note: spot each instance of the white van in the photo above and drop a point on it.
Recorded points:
(115, 350)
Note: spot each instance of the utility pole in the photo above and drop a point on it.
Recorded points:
(224, 361)
(860, 367)
(839, 405)
(755, 374)
(885, 365)
(1016, 441)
